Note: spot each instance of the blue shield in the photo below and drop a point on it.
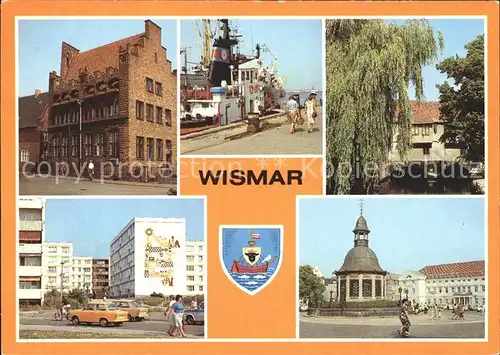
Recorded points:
(251, 255)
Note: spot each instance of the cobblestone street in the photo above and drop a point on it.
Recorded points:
(273, 141)
(422, 327)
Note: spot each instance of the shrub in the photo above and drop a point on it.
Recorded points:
(52, 299)
(364, 305)
(154, 294)
(153, 301)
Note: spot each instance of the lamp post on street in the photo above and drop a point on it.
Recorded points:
(400, 290)
(62, 283)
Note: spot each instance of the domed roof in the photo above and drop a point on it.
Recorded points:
(361, 259)
(361, 225)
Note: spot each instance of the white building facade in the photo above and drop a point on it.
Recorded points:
(30, 251)
(456, 283)
(82, 273)
(58, 266)
(195, 266)
(149, 256)
(413, 287)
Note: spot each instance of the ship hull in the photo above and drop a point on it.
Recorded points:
(237, 268)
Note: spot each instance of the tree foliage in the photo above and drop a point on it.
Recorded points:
(462, 105)
(370, 65)
(311, 287)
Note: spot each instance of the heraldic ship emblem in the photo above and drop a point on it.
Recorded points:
(252, 266)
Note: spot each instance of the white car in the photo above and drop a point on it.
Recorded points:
(193, 316)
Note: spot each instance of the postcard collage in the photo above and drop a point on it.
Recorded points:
(252, 179)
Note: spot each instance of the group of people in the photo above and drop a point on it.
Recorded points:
(175, 312)
(404, 331)
(294, 112)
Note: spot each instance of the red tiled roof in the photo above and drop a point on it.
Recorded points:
(98, 59)
(424, 112)
(31, 109)
(464, 269)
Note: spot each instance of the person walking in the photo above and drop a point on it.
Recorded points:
(293, 112)
(404, 317)
(178, 309)
(311, 112)
(170, 315)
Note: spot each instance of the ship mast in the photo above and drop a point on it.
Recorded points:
(207, 37)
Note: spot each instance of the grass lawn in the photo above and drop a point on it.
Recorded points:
(44, 334)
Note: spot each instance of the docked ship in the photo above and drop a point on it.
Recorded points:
(228, 86)
(248, 262)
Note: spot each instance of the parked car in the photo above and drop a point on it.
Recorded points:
(100, 312)
(136, 310)
(197, 315)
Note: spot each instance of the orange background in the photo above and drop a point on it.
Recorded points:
(271, 205)
(271, 312)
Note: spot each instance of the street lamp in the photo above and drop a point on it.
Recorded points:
(79, 102)
(406, 292)
(62, 275)
(400, 290)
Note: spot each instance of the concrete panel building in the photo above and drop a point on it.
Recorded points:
(58, 266)
(100, 277)
(30, 250)
(195, 270)
(81, 276)
(149, 255)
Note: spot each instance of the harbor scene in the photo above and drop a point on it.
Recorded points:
(237, 80)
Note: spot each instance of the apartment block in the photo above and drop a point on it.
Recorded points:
(100, 277)
(195, 267)
(82, 273)
(58, 266)
(149, 255)
(30, 251)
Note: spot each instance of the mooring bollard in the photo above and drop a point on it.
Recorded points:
(253, 123)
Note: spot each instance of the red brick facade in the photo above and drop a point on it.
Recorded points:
(107, 85)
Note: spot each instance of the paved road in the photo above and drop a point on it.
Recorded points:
(157, 325)
(422, 327)
(70, 186)
(272, 141)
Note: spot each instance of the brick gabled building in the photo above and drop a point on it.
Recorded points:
(125, 93)
(33, 118)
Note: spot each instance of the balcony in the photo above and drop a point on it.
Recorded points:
(30, 248)
(29, 294)
(30, 225)
(30, 271)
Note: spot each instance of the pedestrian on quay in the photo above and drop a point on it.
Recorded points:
(404, 317)
(311, 111)
(178, 311)
(293, 113)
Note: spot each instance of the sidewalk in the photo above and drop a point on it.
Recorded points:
(78, 329)
(99, 181)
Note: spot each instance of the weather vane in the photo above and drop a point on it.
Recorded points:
(361, 206)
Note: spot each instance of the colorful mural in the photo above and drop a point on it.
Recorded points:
(158, 257)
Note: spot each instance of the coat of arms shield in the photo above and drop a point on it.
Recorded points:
(251, 255)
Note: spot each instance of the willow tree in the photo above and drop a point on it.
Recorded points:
(370, 67)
